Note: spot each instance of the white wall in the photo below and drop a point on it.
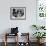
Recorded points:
(24, 25)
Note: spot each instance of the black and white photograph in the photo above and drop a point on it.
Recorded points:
(18, 13)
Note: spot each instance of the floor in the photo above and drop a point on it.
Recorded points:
(13, 44)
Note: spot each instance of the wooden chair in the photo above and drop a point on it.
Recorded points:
(25, 36)
(7, 34)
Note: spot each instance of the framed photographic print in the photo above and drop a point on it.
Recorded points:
(41, 8)
(18, 13)
(41, 12)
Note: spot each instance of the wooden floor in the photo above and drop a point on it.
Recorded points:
(13, 44)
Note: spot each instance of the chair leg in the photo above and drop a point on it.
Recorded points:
(5, 40)
(5, 43)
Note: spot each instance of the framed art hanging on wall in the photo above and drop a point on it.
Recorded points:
(41, 12)
(18, 13)
(41, 8)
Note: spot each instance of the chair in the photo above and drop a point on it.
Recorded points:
(7, 35)
(14, 32)
(26, 41)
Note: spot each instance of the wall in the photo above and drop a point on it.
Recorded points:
(24, 25)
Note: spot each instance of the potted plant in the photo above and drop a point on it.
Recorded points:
(39, 35)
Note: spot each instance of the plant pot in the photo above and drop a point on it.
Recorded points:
(40, 41)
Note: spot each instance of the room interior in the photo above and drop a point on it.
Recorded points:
(22, 22)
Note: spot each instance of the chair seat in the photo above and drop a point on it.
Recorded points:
(9, 34)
